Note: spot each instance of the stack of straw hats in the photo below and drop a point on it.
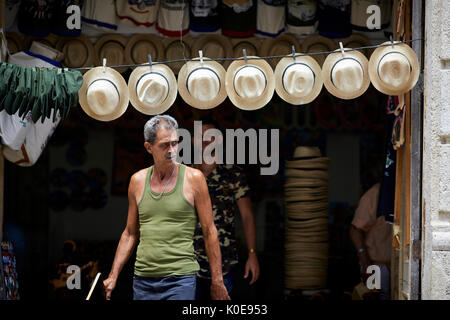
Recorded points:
(306, 199)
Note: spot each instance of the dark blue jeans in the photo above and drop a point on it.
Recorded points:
(203, 291)
(165, 288)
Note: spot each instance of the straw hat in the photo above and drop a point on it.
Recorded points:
(104, 94)
(152, 90)
(14, 42)
(202, 84)
(251, 45)
(51, 40)
(317, 163)
(298, 81)
(176, 50)
(345, 75)
(214, 46)
(306, 152)
(394, 70)
(250, 85)
(357, 40)
(78, 51)
(279, 46)
(317, 174)
(297, 214)
(111, 47)
(140, 46)
(318, 43)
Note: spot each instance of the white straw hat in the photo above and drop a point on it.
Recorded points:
(152, 90)
(394, 70)
(298, 81)
(104, 94)
(250, 85)
(345, 75)
(201, 83)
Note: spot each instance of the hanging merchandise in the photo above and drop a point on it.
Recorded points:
(271, 16)
(201, 83)
(46, 51)
(360, 16)
(60, 18)
(204, 16)
(140, 46)
(238, 18)
(334, 18)
(250, 84)
(173, 18)
(177, 49)
(153, 89)
(317, 43)
(358, 41)
(251, 45)
(214, 46)
(14, 129)
(104, 94)
(8, 270)
(394, 70)
(99, 14)
(279, 46)
(138, 13)
(301, 17)
(11, 10)
(111, 47)
(298, 80)
(35, 16)
(78, 52)
(345, 74)
(14, 42)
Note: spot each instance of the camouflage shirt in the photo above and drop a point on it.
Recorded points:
(226, 185)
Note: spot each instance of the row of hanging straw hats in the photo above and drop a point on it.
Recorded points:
(306, 234)
(250, 82)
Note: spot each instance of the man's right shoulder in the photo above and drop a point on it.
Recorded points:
(139, 176)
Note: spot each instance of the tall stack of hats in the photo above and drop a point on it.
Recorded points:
(306, 237)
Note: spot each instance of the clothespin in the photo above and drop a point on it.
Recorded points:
(200, 54)
(245, 55)
(392, 41)
(104, 65)
(293, 52)
(342, 47)
(150, 63)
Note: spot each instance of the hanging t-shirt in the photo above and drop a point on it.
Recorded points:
(238, 18)
(204, 16)
(99, 14)
(301, 16)
(270, 17)
(137, 13)
(173, 18)
(60, 17)
(334, 18)
(35, 16)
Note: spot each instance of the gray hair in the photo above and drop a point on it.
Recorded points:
(157, 122)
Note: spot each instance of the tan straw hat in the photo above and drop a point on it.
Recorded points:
(357, 40)
(317, 163)
(251, 45)
(14, 42)
(78, 52)
(250, 85)
(317, 43)
(214, 46)
(312, 174)
(346, 74)
(306, 152)
(152, 90)
(104, 94)
(177, 50)
(298, 81)
(201, 83)
(394, 70)
(279, 46)
(111, 47)
(140, 46)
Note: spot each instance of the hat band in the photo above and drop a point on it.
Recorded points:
(200, 68)
(301, 63)
(158, 73)
(248, 66)
(331, 72)
(103, 79)
(381, 58)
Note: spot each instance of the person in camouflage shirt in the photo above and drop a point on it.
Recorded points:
(227, 187)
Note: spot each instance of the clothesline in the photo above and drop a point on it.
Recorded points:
(256, 58)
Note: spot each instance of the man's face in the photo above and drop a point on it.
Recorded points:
(165, 148)
(199, 142)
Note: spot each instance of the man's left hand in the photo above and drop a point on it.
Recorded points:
(252, 265)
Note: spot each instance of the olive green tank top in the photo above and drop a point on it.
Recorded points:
(167, 228)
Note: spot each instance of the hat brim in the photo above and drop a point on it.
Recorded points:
(157, 55)
(104, 40)
(174, 49)
(375, 59)
(89, 47)
(318, 163)
(306, 151)
(119, 82)
(279, 73)
(330, 62)
(183, 78)
(313, 174)
(243, 103)
(167, 73)
(357, 40)
(315, 39)
(252, 46)
(271, 44)
(201, 42)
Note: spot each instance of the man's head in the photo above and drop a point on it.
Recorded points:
(207, 123)
(161, 138)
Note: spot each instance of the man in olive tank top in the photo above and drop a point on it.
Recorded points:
(164, 203)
